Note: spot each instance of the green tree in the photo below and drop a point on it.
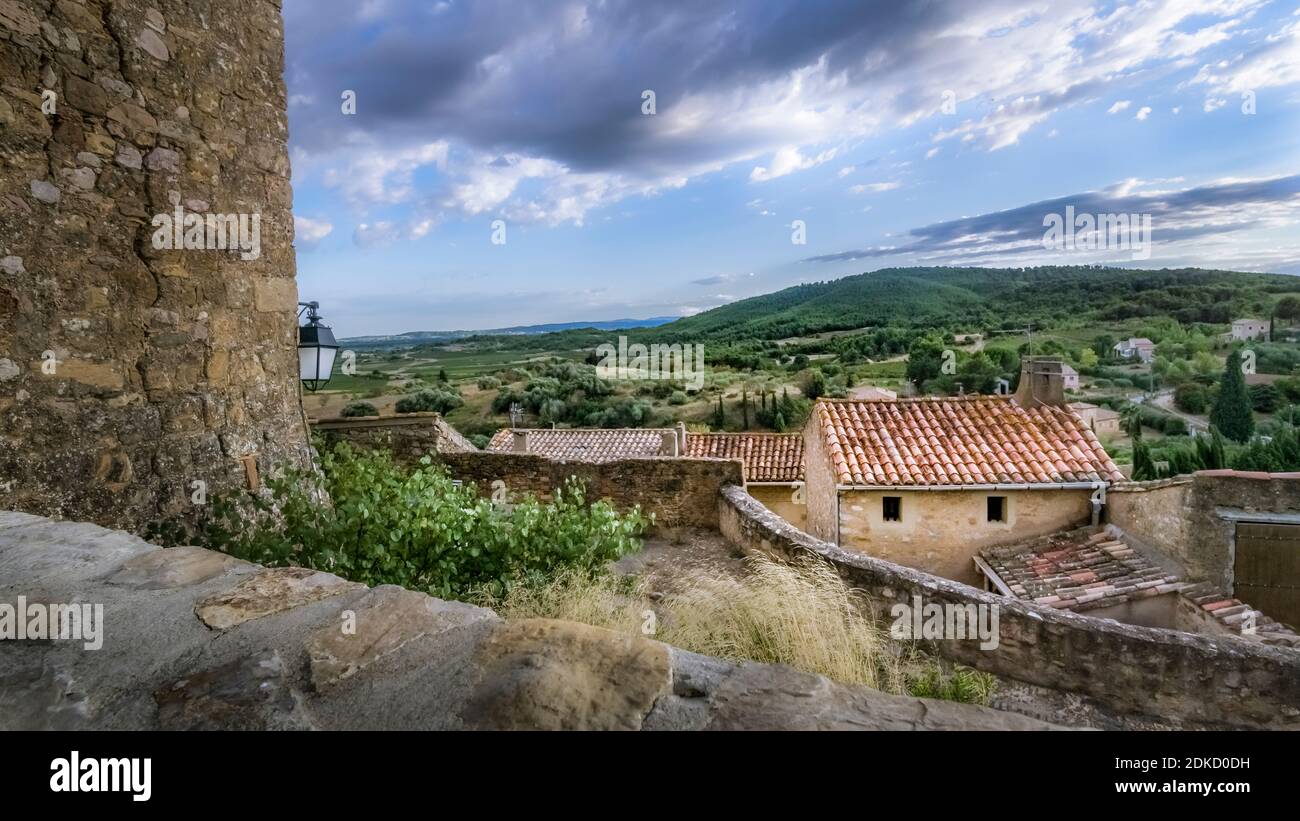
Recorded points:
(442, 376)
(816, 386)
(1231, 413)
(924, 360)
(1265, 398)
(1104, 346)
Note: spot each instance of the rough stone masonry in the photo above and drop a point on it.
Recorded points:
(129, 372)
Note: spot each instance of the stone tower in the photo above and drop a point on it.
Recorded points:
(133, 367)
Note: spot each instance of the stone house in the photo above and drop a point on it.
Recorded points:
(1070, 378)
(1102, 421)
(1247, 329)
(1136, 347)
(773, 462)
(928, 482)
(773, 467)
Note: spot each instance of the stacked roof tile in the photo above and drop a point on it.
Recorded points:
(768, 457)
(977, 440)
(585, 445)
(1077, 571)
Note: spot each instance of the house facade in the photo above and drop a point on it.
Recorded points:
(1069, 378)
(1247, 329)
(928, 482)
(1137, 347)
(1102, 421)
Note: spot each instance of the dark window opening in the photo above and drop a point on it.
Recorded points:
(997, 508)
(893, 508)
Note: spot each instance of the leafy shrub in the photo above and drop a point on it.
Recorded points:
(358, 409)
(488, 383)
(415, 528)
(677, 398)
(1191, 397)
(436, 400)
(1265, 398)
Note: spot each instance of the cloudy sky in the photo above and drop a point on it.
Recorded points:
(881, 134)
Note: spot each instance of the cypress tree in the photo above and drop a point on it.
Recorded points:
(1231, 414)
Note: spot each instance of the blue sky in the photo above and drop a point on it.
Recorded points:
(926, 133)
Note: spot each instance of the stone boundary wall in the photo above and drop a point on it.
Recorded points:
(1191, 680)
(1180, 518)
(680, 492)
(407, 436)
(197, 640)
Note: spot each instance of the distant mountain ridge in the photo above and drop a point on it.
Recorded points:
(422, 337)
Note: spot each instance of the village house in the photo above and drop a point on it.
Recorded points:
(1101, 421)
(773, 462)
(773, 467)
(930, 481)
(1247, 329)
(1136, 347)
(1069, 377)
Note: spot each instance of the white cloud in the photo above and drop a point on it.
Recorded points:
(1119, 106)
(308, 232)
(377, 176)
(874, 187)
(787, 160)
(1143, 113)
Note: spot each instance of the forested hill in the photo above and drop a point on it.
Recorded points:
(974, 298)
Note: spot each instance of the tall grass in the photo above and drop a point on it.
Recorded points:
(801, 614)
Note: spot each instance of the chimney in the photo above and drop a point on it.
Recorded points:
(1042, 382)
(681, 438)
(521, 441)
(669, 444)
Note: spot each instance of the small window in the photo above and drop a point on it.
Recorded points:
(997, 508)
(893, 508)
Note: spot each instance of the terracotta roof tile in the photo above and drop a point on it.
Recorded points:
(583, 444)
(974, 440)
(768, 457)
(1079, 571)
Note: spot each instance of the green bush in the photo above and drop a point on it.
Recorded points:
(1191, 397)
(1265, 398)
(677, 398)
(358, 409)
(416, 528)
(436, 400)
(488, 383)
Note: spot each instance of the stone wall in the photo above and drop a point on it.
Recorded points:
(407, 436)
(940, 531)
(1195, 681)
(1182, 519)
(680, 492)
(196, 640)
(780, 500)
(129, 372)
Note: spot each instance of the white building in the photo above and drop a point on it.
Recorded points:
(1136, 347)
(1244, 329)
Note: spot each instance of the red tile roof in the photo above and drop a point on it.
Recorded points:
(768, 457)
(1079, 571)
(585, 445)
(976, 440)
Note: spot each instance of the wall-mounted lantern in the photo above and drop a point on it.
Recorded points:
(316, 349)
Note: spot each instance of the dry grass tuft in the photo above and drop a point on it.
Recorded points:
(800, 614)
